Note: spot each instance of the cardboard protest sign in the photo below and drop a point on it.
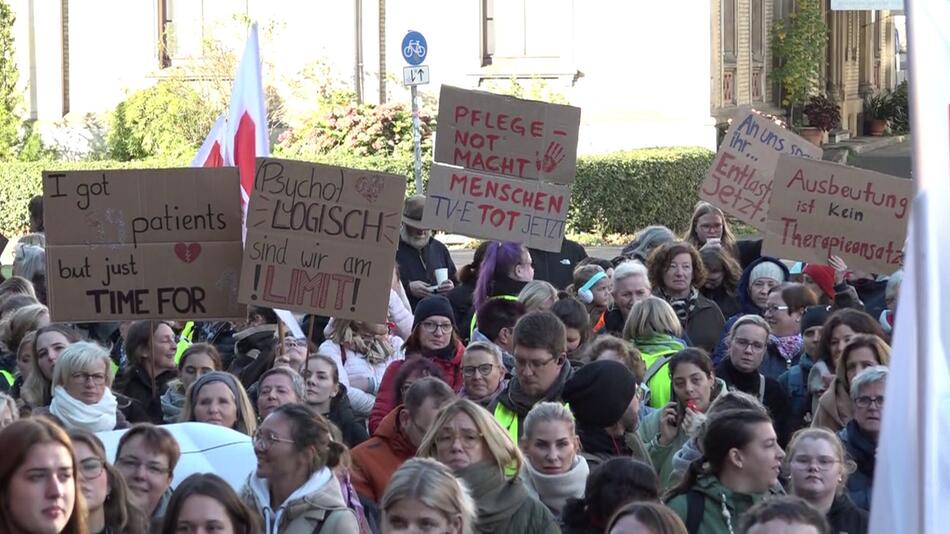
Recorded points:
(143, 244)
(739, 180)
(322, 239)
(821, 209)
(506, 135)
(492, 207)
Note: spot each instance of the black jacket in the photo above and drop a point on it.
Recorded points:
(775, 399)
(557, 268)
(341, 414)
(415, 264)
(136, 384)
(846, 518)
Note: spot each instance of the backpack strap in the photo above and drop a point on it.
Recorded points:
(658, 364)
(695, 509)
(330, 522)
(761, 388)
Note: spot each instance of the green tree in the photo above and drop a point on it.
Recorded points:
(798, 45)
(9, 98)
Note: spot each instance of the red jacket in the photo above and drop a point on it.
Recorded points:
(376, 459)
(387, 397)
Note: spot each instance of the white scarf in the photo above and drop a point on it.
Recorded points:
(98, 417)
(554, 490)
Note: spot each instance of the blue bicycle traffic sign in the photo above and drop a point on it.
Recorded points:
(414, 48)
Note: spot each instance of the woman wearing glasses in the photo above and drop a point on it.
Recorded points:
(467, 439)
(146, 457)
(108, 508)
(82, 395)
(362, 352)
(433, 337)
(860, 436)
(293, 490)
(818, 471)
(748, 341)
(783, 311)
(483, 373)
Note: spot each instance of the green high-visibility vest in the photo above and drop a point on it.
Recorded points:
(8, 376)
(185, 340)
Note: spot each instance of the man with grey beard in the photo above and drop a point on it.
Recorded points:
(419, 255)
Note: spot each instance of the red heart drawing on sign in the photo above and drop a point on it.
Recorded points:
(187, 252)
(370, 188)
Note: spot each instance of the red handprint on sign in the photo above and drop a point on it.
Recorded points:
(553, 156)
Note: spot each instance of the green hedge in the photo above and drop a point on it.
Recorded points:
(613, 193)
(622, 192)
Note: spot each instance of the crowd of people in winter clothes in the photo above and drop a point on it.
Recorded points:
(688, 385)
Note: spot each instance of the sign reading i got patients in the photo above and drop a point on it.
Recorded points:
(322, 239)
(740, 178)
(821, 209)
(143, 244)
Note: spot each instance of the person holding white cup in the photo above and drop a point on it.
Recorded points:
(425, 265)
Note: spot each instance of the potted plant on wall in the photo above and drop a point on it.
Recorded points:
(823, 116)
(877, 110)
(798, 45)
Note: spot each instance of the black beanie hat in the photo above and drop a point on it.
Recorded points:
(600, 392)
(432, 306)
(815, 316)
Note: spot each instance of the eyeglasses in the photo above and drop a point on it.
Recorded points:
(264, 441)
(534, 365)
(468, 439)
(132, 465)
(865, 402)
(773, 308)
(293, 342)
(97, 379)
(432, 327)
(91, 468)
(745, 343)
(824, 462)
(484, 370)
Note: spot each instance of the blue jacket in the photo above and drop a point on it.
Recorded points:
(795, 382)
(746, 305)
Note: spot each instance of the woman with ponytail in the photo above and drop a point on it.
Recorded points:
(739, 468)
(503, 274)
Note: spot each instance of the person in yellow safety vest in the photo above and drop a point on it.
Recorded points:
(541, 370)
(8, 380)
(184, 340)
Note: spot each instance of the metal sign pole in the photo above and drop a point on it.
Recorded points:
(416, 141)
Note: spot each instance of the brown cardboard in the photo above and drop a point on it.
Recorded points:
(821, 209)
(143, 244)
(506, 135)
(740, 178)
(297, 254)
(493, 207)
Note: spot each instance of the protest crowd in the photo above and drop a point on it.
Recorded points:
(689, 385)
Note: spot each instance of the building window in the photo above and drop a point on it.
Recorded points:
(729, 41)
(514, 29)
(757, 31)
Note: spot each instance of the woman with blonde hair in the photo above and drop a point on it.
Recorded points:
(708, 225)
(423, 494)
(467, 439)
(555, 471)
(82, 394)
(8, 410)
(538, 295)
(49, 343)
(655, 331)
(818, 469)
(21, 322)
(218, 398)
(862, 351)
(362, 352)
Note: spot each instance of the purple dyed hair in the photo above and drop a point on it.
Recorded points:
(500, 260)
